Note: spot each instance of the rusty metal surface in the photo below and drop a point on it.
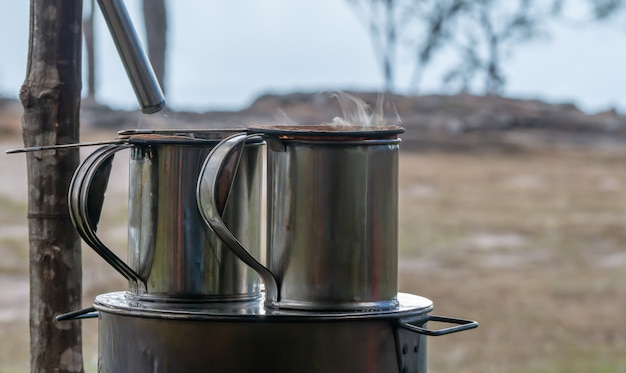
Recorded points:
(321, 258)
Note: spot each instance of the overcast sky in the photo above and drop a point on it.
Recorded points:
(222, 54)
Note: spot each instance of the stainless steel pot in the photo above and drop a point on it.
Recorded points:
(246, 337)
(332, 214)
(172, 255)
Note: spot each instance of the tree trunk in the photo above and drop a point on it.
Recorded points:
(51, 99)
(389, 50)
(91, 56)
(155, 17)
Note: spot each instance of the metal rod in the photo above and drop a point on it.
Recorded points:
(64, 146)
(137, 65)
(86, 313)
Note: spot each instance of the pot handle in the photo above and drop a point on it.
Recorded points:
(461, 324)
(85, 201)
(214, 184)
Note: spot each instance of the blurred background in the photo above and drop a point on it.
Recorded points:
(224, 54)
(512, 181)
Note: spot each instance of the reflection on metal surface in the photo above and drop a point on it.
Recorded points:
(332, 215)
(121, 303)
(172, 254)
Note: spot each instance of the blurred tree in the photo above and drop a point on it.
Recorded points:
(419, 27)
(384, 20)
(91, 57)
(155, 17)
(603, 9)
(489, 31)
(482, 34)
(432, 27)
(582, 13)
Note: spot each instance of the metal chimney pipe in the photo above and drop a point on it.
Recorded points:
(136, 63)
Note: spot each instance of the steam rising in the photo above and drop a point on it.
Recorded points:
(357, 112)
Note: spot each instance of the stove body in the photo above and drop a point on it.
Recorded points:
(247, 338)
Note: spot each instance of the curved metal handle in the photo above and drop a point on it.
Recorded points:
(462, 324)
(214, 184)
(85, 204)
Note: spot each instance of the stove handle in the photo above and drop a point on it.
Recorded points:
(461, 324)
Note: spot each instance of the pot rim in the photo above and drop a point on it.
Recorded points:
(193, 137)
(327, 132)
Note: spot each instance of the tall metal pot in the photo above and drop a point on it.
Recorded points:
(332, 221)
(172, 254)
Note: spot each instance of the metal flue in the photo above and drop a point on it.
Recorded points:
(136, 63)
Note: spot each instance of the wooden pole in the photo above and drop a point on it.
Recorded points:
(88, 31)
(51, 99)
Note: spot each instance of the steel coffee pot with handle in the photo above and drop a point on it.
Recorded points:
(332, 214)
(172, 255)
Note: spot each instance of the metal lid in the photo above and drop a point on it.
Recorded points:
(182, 136)
(409, 306)
(328, 132)
(207, 134)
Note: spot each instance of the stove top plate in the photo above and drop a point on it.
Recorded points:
(119, 303)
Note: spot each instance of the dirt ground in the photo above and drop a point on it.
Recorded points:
(531, 245)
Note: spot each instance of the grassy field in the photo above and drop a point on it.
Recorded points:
(531, 245)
